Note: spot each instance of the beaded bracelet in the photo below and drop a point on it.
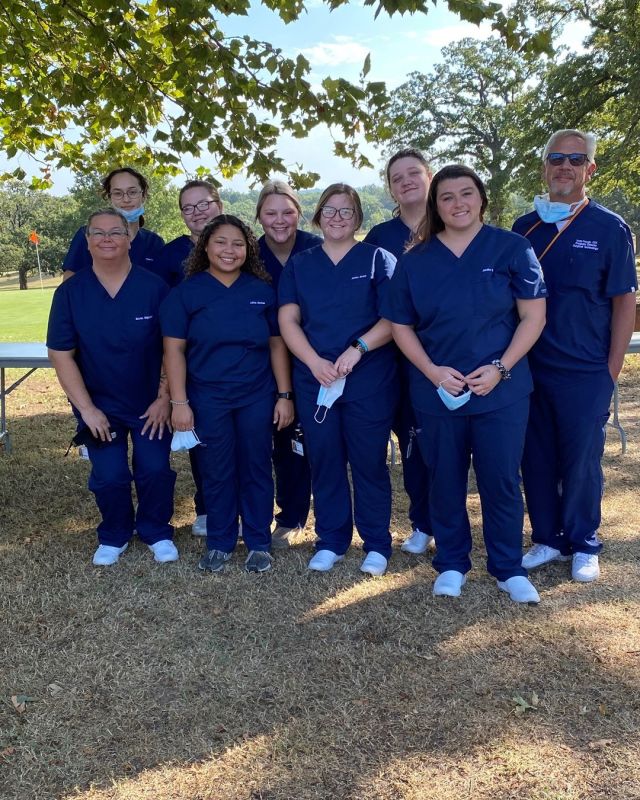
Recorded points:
(179, 402)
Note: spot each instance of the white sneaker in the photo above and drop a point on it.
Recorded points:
(449, 584)
(417, 543)
(164, 550)
(324, 560)
(199, 527)
(282, 536)
(374, 564)
(520, 589)
(541, 554)
(585, 567)
(106, 555)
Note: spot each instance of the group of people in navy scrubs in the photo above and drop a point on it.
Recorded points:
(302, 352)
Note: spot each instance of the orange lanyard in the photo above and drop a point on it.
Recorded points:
(562, 230)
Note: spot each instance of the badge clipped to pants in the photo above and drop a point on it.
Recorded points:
(297, 441)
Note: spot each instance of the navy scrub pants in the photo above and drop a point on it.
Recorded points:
(293, 480)
(235, 464)
(414, 471)
(354, 432)
(496, 441)
(110, 482)
(561, 466)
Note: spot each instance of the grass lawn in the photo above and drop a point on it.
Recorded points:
(156, 682)
(23, 315)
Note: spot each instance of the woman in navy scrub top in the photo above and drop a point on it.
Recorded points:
(408, 178)
(467, 303)
(222, 351)
(105, 344)
(278, 210)
(126, 189)
(329, 300)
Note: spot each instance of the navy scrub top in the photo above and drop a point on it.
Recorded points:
(393, 235)
(117, 340)
(588, 264)
(170, 261)
(303, 241)
(464, 313)
(144, 248)
(227, 330)
(339, 303)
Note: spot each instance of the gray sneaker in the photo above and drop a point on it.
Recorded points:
(213, 561)
(258, 561)
(282, 536)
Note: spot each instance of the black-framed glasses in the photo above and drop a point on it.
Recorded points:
(118, 194)
(190, 208)
(329, 212)
(99, 235)
(575, 159)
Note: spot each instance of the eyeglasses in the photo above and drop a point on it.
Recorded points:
(98, 235)
(329, 212)
(575, 159)
(118, 194)
(190, 208)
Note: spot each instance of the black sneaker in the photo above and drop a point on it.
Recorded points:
(213, 561)
(258, 561)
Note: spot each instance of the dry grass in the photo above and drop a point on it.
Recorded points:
(154, 682)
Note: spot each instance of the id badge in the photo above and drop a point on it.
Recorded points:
(296, 442)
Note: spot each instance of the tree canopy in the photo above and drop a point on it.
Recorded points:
(470, 108)
(75, 73)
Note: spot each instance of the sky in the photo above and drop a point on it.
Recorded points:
(336, 43)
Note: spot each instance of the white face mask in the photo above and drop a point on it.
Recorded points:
(327, 396)
(184, 440)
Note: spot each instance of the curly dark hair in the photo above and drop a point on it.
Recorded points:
(199, 260)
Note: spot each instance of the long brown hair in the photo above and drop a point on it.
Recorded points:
(199, 260)
(432, 222)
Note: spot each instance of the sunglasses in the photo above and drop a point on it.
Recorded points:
(575, 159)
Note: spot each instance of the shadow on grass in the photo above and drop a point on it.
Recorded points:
(155, 681)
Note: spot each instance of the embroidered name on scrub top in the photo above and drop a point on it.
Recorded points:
(585, 244)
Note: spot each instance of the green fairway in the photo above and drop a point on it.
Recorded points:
(23, 315)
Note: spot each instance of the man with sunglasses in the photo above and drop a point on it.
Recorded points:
(587, 258)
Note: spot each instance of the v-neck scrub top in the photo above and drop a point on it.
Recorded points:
(463, 310)
(339, 303)
(170, 260)
(117, 340)
(144, 248)
(227, 330)
(303, 241)
(590, 262)
(393, 235)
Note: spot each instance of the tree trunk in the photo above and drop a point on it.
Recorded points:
(22, 276)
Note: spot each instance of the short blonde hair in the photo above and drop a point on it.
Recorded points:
(277, 187)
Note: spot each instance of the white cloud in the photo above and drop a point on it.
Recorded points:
(343, 50)
(448, 34)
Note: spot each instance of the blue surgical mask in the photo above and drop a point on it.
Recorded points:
(452, 401)
(554, 212)
(132, 214)
(328, 395)
(184, 440)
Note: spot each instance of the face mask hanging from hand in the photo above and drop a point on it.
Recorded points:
(327, 396)
(184, 440)
(452, 401)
